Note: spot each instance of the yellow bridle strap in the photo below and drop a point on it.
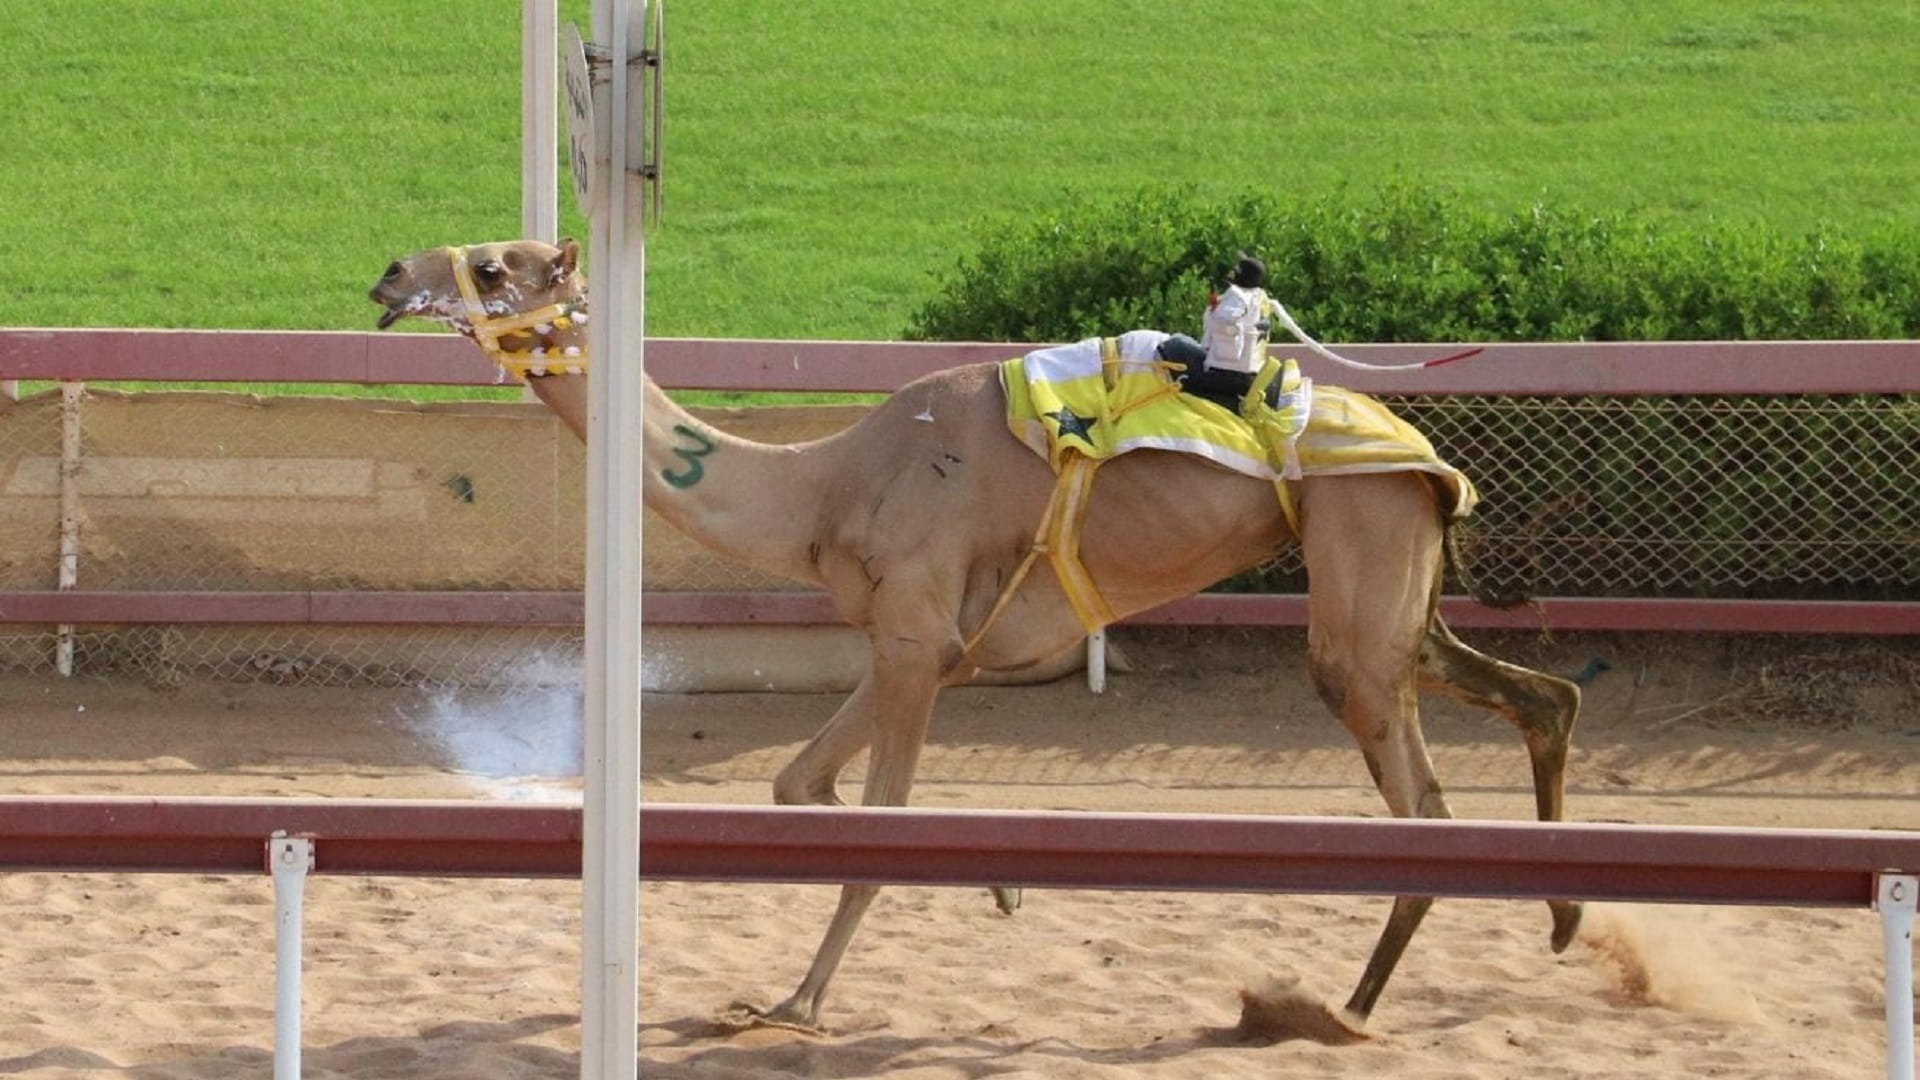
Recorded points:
(488, 328)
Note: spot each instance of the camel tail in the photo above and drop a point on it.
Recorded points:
(1494, 596)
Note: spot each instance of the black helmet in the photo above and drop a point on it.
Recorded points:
(1248, 273)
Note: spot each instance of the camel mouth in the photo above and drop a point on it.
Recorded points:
(398, 307)
(392, 308)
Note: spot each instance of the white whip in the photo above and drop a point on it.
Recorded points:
(1318, 349)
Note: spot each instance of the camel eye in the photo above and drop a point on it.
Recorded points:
(489, 273)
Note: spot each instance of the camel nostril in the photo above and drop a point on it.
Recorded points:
(393, 271)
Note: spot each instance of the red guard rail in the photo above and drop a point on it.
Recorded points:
(1823, 367)
(536, 608)
(1516, 860)
(1666, 367)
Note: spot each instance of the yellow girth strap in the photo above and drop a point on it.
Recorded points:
(1289, 509)
(1072, 494)
(1058, 538)
(489, 328)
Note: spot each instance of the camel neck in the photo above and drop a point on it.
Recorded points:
(740, 498)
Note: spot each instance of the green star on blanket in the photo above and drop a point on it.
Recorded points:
(1080, 427)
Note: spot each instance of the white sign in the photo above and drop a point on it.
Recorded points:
(586, 159)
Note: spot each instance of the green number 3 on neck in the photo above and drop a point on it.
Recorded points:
(702, 446)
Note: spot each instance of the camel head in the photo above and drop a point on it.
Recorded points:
(522, 301)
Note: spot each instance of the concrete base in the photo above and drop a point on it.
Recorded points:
(795, 659)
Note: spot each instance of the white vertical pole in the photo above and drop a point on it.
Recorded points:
(71, 395)
(1895, 897)
(290, 859)
(1097, 661)
(611, 902)
(539, 120)
(539, 127)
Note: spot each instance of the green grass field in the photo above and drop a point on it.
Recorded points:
(255, 164)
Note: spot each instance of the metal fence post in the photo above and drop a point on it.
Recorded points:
(72, 394)
(290, 858)
(1895, 898)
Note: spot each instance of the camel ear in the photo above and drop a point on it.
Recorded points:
(569, 260)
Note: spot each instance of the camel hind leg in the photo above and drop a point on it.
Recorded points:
(1371, 690)
(1383, 718)
(1542, 706)
(1372, 549)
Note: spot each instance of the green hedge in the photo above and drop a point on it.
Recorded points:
(1811, 499)
(1413, 264)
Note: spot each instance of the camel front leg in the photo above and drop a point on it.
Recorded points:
(811, 778)
(802, 1009)
(893, 706)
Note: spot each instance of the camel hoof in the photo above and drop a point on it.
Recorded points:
(744, 1016)
(1280, 1009)
(1006, 898)
(1566, 923)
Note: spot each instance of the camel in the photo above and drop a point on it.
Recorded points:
(915, 519)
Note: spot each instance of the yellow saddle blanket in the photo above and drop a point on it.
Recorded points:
(1089, 398)
(1078, 405)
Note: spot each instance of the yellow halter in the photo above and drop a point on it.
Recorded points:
(487, 329)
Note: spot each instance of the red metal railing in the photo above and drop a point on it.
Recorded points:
(1583, 368)
(567, 609)
(1485, 859)
(1866, 367)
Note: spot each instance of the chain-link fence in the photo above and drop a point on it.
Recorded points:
(1801, 497)
(236, 493)
(1694, 496)
(229, 492)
